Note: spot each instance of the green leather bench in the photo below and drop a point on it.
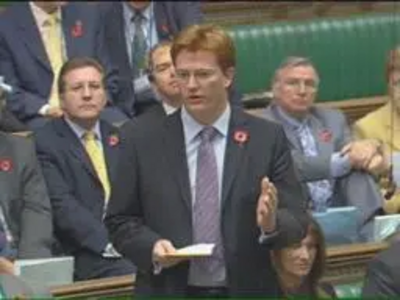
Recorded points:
(349, 53)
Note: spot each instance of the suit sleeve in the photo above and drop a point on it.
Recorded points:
(124, 219)
(291, 196)
(36, 230)
(22, 103)
(380, 280)
(73, 221)
(311, 168)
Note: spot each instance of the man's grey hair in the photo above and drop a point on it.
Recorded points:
(292, 62)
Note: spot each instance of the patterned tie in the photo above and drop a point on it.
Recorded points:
(139, 46)
(97, 157)
(53, 47)
(320, 190)
(206, 209)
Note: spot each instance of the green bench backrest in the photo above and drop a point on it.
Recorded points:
(349, 53)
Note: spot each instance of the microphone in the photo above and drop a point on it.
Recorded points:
(5, 87)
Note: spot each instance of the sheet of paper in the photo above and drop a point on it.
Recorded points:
(194, 251)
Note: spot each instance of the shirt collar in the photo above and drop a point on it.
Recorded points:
(192, 128)
(129, 12)
(41, 16)
(168, 108)
(289, 120)
(80, 131)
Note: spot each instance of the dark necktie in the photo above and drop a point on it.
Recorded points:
(206, 209)
(139, 46)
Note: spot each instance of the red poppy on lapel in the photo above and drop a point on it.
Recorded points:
(240, 136)
(325, 135)
(77, 29)
(5, 165)
(113, 140)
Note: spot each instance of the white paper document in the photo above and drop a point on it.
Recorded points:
(194, 250)
(46, 272)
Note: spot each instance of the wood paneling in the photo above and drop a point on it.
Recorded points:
(251, 12)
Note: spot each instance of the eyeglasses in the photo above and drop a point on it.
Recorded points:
(200, 75)
(308, 85)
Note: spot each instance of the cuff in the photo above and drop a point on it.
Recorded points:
(43, 110)
(266, 237)
(340, 165)
(157, 268)
(110, 251)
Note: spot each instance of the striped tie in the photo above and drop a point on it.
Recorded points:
(206, 209)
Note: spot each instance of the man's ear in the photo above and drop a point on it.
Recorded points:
(229, 76)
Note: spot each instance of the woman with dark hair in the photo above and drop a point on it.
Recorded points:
(300, 266)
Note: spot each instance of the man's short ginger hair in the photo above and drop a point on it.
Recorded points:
(206, 37)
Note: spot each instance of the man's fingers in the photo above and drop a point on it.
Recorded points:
(345, 149)
(265, 186)
(167, 247)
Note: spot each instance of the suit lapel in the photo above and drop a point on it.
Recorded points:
(161, 21)
(30, 35)
(233, 152)
(272, 114)
(110, 142)
(74, 145)
(174, 142)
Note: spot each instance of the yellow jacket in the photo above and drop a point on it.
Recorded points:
(382, 124)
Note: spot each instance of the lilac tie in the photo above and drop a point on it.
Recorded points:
(206, 209)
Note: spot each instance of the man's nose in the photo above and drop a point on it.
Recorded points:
(87, 91)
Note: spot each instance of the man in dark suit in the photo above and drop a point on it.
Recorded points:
(25, 212)
(35, 38)
(78, 154)
(383, 274)
(334, 168)
(164, 84)
(178, 186)
(161, 21)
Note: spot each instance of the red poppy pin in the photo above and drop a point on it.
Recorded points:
(325, 135)
(5, 165)
(77, 29)
(241, 136)
(164, 29)
(113, 140)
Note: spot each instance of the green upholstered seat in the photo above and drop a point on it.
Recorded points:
(349, 53)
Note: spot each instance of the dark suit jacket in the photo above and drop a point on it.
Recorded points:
(75, 190)
(23, 198)
(152, 200)
(23, 58)
(171, 17)
(383, 274)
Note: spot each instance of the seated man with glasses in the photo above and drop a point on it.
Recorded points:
(334, 168)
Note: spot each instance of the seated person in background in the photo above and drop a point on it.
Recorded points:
(25, 210)
(35, 39)
(300, 266)
(333, 167)
(161, 73)
(383, 272)
(134, 27)
(78, 153)
(384, 125)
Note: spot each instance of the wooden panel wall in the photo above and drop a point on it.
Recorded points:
(251, 12)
